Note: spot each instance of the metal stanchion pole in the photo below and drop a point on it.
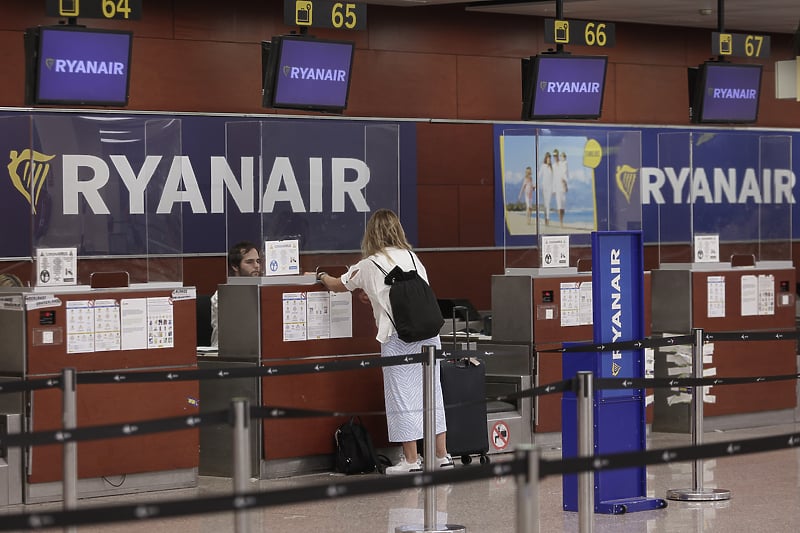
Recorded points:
(528, 490)
(429, 449)
(585, 395)
(69, 422)
(697, 492)
(241, 458)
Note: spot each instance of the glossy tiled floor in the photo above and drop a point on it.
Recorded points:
(765, 497)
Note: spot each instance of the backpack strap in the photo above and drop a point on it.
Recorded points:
(386, 274)
(412, 260)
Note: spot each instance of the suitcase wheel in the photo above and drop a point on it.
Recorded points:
(485, 459)
(466, 459)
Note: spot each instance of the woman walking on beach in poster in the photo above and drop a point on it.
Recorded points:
(527, 190)
(545, 179)
(560, 176)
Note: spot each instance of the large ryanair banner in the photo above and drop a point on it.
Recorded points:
(117, 184)
(671, 183)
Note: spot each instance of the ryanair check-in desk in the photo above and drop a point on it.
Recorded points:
(255, 330)
(35, 334)
(710, 296)
(526, 316)
(527, 310)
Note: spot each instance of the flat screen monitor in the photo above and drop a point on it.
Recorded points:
(308, 73)
(564, 86)
(77, 66)
(728, 93)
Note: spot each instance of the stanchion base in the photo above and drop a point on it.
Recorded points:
(629, 505)
(438, 528)
(701, 495)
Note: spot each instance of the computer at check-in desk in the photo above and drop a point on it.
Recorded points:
(508, 370)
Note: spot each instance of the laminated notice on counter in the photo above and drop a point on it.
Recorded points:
(184, 293)
(107, 334)
(329, 315)
(715, 288)
(555, 251)
(341, 315)
(749, 295)
(56, 266)
(281, 257)
(766, 294)
(11, 303)
(41, 301)
(318, 315)
(80, 326)
(706, 248)
(294, 316)
(160, 322)
(576, 303)
(133, 321)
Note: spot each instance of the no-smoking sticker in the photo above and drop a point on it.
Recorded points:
(500, 436)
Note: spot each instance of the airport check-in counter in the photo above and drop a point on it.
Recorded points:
(253, 329)
(35, 332)
(527, 313)
(710, 296)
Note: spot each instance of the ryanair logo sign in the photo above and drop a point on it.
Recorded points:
(334, 184)
(626, 180)
(311, 73)
(28, 170)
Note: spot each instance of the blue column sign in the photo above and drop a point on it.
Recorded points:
(619, 414)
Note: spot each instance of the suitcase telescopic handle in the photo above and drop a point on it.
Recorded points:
(466, 321)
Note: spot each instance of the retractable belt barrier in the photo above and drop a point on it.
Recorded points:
(374, 485)
(519, 466)
(377, 362)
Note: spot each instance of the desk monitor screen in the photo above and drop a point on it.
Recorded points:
(565, 86)
(308, 73)
(728, 93)
(78, 66)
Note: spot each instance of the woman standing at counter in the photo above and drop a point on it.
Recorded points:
(385, 243)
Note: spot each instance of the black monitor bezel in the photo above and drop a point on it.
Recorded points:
(274, 52)
(529, 100)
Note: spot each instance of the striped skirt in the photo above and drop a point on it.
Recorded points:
(402, 391)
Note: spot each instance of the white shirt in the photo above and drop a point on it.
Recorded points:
(368, 277)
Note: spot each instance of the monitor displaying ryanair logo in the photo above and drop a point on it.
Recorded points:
(626, 180)
(28, 171)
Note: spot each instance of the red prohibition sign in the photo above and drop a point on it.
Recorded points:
(500, 435)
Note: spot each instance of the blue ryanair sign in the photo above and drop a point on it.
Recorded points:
(618, 296)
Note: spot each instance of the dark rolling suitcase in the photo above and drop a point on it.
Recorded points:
(464, 394)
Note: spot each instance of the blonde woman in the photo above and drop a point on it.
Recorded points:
(385, 243)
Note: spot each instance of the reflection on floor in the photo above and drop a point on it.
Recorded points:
(765, 492)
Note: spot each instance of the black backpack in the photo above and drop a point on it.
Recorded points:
(414, 306)
(355, 453)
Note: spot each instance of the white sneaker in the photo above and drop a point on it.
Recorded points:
(404, 467)
(444, 462)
